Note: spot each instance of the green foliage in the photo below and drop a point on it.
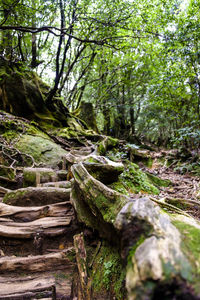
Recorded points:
(136, 62)
(188, 136)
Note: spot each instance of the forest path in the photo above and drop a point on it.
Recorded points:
(36, 247)
(183, 187)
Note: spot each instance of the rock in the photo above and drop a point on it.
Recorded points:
(37, 196)
(153, 247)
(34, 176)
(42, 149)
(138, 153)
(31, 145)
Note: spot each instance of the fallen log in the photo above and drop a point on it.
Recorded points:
(26, 288)
(37, 263)
(27, 214)
(50, 226)
(37, 196)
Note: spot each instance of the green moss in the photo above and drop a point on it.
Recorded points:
(119, 187)
(108, 273)
(136, 181)
(133, 249)
(101, 149)
(191, 239)
(71, 256)
(9, 196)
(191, 248)
(158, 181)
(7, 172)
(42, 149)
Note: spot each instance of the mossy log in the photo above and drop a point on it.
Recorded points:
(37, 196)
(57, 184)
(35, 176)
(150, 241)
(95, 204)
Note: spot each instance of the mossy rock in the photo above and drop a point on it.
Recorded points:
(153, 247)
(31, 142)
(190, 232)
(43, 150)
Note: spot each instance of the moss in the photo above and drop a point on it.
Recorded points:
(108, 273)
(133, 249)
(101, 149)
(42, 149)
(119, 187)
(7, 172)
(11, 195)
(191, 248)
(71, 256)
(191, 239)
(107, 144)
(136, 181)
(112, 142)
(158, 181)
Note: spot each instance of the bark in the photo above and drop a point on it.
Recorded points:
(37, 263)
(81, 259)
(29, 214)
(51, 226)
(23, 288)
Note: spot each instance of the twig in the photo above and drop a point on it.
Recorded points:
(170, 207)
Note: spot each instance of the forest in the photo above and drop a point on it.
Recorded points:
(99, 149)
